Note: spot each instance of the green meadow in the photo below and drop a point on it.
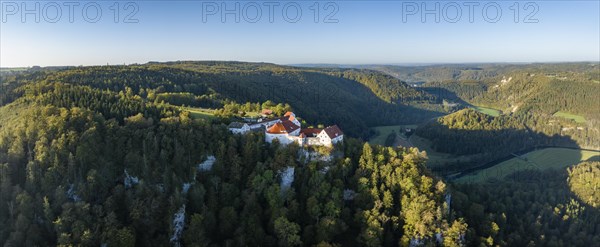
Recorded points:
(486, 110)
(384, 131)
(576, 118)
(199, 113)
(548, 158)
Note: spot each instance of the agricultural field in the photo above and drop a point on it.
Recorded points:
(576, 118)
(486, 110)
(384, 131)
(13, 69)
(549, 158)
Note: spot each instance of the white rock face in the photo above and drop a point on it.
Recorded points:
(349, 194)
(303, 155)
(515, 108)
(178, 225)
(186, 187)
(448, 201)
(287, 178)
(416, 242)
(161, 187)
(71, 193)
(306, 156)
(439, 238)
(207, 164)
(504, 80)
(324, 170)
(320, 157)
(130, 180)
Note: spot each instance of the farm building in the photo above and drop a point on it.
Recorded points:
(238, 128)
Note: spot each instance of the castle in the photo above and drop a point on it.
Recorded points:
(287, 130)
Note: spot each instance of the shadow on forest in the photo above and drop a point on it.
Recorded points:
(555, 180)
(487, 148)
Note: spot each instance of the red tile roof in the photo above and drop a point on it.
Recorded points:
(333, 131)
(283, 128)
(276, 129)
(290, 117)
(289, 126)
(311, 132)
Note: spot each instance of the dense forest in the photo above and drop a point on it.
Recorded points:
(541, 88)
(71, 177)
(532, 100)
(533, 208)
(485, 138)
(353, 99)
(110, 156)
(103, 156)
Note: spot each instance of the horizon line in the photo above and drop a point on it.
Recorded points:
(307, 64)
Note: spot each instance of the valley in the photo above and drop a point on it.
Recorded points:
(542, 159)
(144, 154)
(300, 123)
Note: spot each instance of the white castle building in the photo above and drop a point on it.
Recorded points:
(287, 130)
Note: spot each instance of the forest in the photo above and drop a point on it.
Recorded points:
(71, 177)
(109, 156)
(533, 208)
(532, 101)
(354, 99)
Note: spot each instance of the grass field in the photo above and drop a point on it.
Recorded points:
(486, 110)
(13, 69)
(199, 113)
(539, 159)
(384, 131)
(577, 118)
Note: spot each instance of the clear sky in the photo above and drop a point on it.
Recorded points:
(346, 32)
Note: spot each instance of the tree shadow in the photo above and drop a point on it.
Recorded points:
(488, 148)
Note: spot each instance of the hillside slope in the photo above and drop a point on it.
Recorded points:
(353, 99)
(90, 157)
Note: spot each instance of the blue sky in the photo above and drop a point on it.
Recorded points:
(365, 32)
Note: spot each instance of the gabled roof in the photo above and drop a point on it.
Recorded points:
(290, 118)
(289, 126)
(236, 125)
(283, 127)
(311, 132)
(266, 120)
(276, 129)
(333, 131)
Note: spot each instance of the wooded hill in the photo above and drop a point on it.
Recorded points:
(353, 99)
(541, 88)
(535, 101)
(90, 157)
(104, 155)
